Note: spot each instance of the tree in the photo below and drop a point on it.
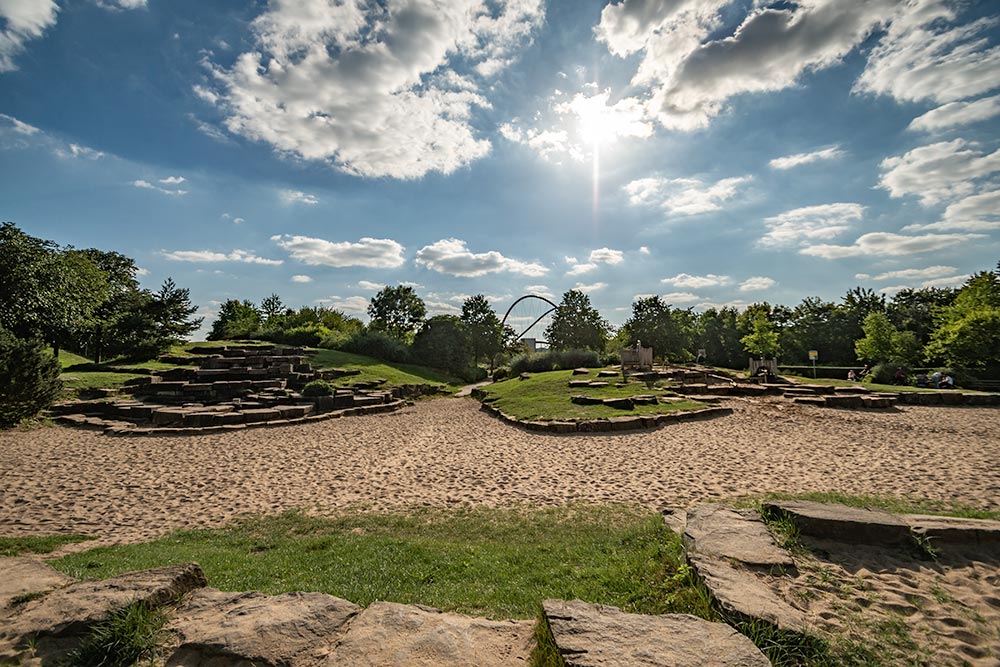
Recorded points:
(879, 341)
(171, 311)
(577, 325)
(29, 378)
(718, 334)
(237, 319)
(483, 328)
(968, 331)
(443, 343)
(762, 341)
(397, 311)
(271, 308)
(115, 321)
(654, 323)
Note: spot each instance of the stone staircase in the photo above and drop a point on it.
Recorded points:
(231, 388)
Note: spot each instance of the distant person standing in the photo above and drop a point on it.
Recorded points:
(936, 379)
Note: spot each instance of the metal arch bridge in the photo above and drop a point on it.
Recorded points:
(552, 307)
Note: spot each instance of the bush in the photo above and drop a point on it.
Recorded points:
(475, 374)
(317, 388)
(961, 376)
(885, 372)
(379, 345)
(29, 378)
(335, 340)
(541, 362)
(501, 373)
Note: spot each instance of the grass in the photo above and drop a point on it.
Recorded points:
(887, 503)
(889, 388)
(15, 546)
(489, 562)
(546, 396)
(128, 636)
(83, 380)
(371, 369)
(68, 359)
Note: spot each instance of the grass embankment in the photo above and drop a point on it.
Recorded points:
(372, 369)
(872, 386)
(546, 396)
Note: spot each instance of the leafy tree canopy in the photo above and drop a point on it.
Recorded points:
(397, 311)
(576, 324)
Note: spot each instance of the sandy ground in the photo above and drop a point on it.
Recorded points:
(446, 451)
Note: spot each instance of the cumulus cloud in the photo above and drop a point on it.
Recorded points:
(683, 196)
(938, 172)
(375, 89)
(975, 213)
(798, 159)
(350, 304)
(172, 180)
(884, 244)
(122, 4)
(607, 256)
(369, 252)
(20, 22)
(297, 197)
(587, 289)
(810, 223)
(757, 283)
(955, 114)
(680, 297)
(146, 185)
(696, 282)
(580, 269)
(204, 256)
(369, 285)
(301, 278)
(78, 151)
(452, 256)
(643, 250)
(917, 274)
(539, 290)
(18, 126)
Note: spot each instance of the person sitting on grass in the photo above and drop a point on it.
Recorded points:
(921, 379)
(865, 371)
(936, 379)
(946, 382)
(852, 376)
(899, 377)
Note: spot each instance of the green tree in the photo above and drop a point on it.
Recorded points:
(397, 311)
(29, 378)
(718, 334)
(762, 340)
(577, 325)
(967, 332)
(110, 327)
(236, 319)
(483, 328)
(655, 324)
(879, 342)
(271, 308)
(443, 342)
(171, 312)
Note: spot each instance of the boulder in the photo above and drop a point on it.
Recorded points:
(581, 399)
(581, 371)
(619, 403)
(389, 634)
(842, 523)
(597, 384)
(220, 629)
(594, 635)
(955, 530)
(607, 374)
(719, 532)
(579, 383)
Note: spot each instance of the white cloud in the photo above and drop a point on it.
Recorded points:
(370, 87)
(955, 114)
(297, 197)
(209, 256)
(757, 283)
(643, 250)
(580, 269)
(975, 213)
(350, 304)
(683, 196)
(122, 4)
(300, 278)
(893, 289)
(607, 256)
(369, 285)
(139, 271)
(882, 244)
(18, 126)
(799, 159)
(373, 253)
(172, 180)
(587, 289)
(861, 276)
(809, 223)
(680, 297)
(442, 308)
(451, 256)
(146, 185)
(539, 290)
(21, 21)
(78, 151)
(948, 281)
(696, 282)
(938, 172)
(228, 216)
(916, 274)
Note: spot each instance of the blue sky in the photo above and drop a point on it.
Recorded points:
(711, 151)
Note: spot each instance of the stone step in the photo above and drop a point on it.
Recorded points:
(832, 521)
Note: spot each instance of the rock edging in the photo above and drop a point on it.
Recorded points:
(624, 423)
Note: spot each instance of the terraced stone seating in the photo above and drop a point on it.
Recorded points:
(230, 388)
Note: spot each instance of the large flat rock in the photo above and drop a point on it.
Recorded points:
(716, 531)
(217, 629)
(955, 530)
(742, 593)
(594, 635)
(387, 634)
(854, 525)
(66, 613)
(26, 576)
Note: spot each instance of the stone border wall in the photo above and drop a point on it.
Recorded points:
(623, 423)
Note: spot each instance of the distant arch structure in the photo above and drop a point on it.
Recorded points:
(535, 307)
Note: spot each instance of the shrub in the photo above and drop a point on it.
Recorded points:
(541, 362)
(885, 373)
(501, 372)
(475, 374)
(379, 345)
(29, 378)
(335, 340)
(317, 388)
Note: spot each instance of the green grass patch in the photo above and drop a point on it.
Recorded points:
(546, 396)
(871, 386)
(371, 369)
(44, 544)
(887, 503)
(499, 563)
(68, 359)
(128, 636)
(78, 380)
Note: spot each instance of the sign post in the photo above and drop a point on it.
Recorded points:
(813, 356)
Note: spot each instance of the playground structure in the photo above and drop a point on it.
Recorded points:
(537, 308)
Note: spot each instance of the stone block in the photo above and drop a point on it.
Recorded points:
(853, 525)
(719, 532)
(619, 403)
(581, 399)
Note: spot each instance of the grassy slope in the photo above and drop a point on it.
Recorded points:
(892, 388)
(371, 369)
(546, 396)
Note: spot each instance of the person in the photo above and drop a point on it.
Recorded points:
(936, 379)
(899, 377)
(852, 376)
(865, 371)
(921, 379)
(947, 382)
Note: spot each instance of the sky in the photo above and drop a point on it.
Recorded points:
(713, 152)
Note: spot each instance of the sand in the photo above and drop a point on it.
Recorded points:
(447, 452)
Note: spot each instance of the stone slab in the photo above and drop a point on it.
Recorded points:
(218, 629)
(23, 576)
(955, 530)
(741, 592)
(594, 635)
(387, 634)
(842, 523)
(720, 532)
